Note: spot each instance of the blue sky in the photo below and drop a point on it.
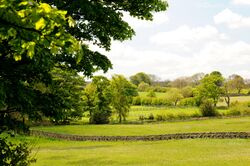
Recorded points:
(191, 36)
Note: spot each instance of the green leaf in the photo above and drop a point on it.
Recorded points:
(40, 24)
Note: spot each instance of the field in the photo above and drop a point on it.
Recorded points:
(209, 125)
(173, 152)
(236, 99)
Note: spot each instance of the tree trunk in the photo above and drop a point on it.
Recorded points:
(227, 99)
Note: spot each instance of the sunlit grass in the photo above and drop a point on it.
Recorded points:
(209, 125)
(174, 152)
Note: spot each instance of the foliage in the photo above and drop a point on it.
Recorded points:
(239, 109)
(210, 88)
(143, 87)
(151, 93)
(122, 93)
(159, 89)
(188, 102)
(236, 82)
(139, 78)
(180, 82)
(97, 100)
(14, 153)
(68, 88)
(207, 108)
(174, 95)
(187, 92)
(38, 37)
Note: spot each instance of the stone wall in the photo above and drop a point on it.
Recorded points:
(215, 135)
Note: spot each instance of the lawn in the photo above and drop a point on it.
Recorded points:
(174, 152)
(208, 125)
(234, 99)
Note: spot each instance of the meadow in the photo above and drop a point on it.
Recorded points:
(206, 125)
(174, 152)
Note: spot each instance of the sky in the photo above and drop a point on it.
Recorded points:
(192, 36)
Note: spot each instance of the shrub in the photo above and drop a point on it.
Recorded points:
(239, 109)
(160, 117)
(207, 108)
(151, 117)
(151, 93)
(136, 100)
(146, 101)
(141, 117)
(188, 102)
(14, 154)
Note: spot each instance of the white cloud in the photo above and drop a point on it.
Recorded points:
(185, 35)
(231, 19)
(241, 2)
(159, 18)
(208, 50)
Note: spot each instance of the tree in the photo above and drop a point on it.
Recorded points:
(196, 78)
(122, 93)
(97, 98)
(143, 87)
(174, 95)
(37, 37)
(210, 88)
(226, 93)
(151, 93)
(187, 92)
(14, 153)
(139, 78)
(180, 82)
(236, 82)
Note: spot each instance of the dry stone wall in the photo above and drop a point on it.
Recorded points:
(215, 135)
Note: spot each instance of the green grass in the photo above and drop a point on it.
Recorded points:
(209, 125)
(197, 152)
(234, 99)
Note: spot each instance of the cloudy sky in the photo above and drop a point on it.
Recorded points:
(191, 36)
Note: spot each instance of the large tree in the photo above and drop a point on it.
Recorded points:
(140, 77)
(122, 93)
(236, 82)
(210, 88)
(38, 36)
(97, 100)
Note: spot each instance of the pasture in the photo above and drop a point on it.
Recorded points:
(207, 125)
(174, 152)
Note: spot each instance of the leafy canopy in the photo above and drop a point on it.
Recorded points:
(39, 37)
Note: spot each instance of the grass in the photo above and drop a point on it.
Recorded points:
(209, 125)
(174, 152)
(235, 99)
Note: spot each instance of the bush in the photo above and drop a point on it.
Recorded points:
(146, 101)
(207, 108)
(151, 117)
(188, 102)
(141, 117)
(161, 117)
(14, 154)
(239, 109)
(151, 93)
(136, 101)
